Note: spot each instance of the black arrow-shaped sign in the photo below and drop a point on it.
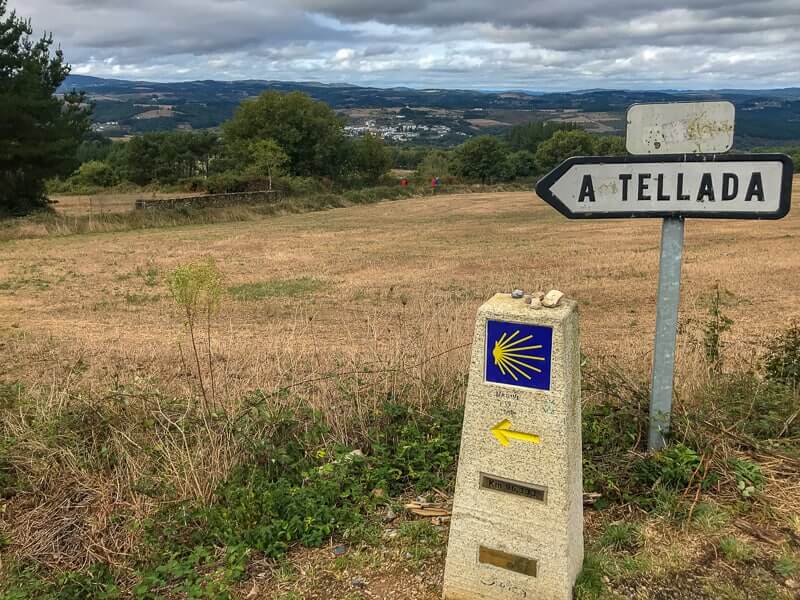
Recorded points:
(719, 186)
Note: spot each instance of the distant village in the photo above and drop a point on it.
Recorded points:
(402, 132)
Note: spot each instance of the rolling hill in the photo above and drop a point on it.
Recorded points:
(764, 117)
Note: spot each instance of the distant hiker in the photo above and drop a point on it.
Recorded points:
(434, 184)
(404, 182)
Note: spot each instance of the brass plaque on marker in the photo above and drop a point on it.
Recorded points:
(527, 490)
(504, 560)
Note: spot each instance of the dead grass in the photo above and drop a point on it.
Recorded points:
(390, 269)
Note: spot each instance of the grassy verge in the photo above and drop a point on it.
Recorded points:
(133, 494)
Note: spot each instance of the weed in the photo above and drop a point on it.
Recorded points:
(786, 566)
(96, 583)
(621, 536)
(760, 410)
(716, 325)
(782, 361)
(279, 288)
(735, 550)
(140, 299)
(291, 491)
(674, 468)
(420, 539)
(614, 423)
(749, 477)
(150, 275)
(709, 517)
(590, 585)
(197, 289)
(417, 449)
(10, 394)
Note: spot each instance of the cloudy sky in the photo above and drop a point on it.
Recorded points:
(484, 44)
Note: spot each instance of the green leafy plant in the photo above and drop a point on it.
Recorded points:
(749, 477)
(674, 467)
(293, 490)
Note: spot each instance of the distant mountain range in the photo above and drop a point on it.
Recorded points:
(764, 117)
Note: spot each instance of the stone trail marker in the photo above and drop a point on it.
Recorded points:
(681, 175)
(517, 524)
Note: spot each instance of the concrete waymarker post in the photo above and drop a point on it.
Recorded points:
(517, 525)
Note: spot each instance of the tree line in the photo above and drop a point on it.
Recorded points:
(285, 137)
(275, 136)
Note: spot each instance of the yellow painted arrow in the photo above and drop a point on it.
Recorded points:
(502, 431)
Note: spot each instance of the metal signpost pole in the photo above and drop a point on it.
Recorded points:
(669, 292)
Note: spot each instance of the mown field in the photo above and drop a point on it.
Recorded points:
(112, 417)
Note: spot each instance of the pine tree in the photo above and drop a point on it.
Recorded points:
(39, 131)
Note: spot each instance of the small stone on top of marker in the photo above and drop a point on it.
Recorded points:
(517, 294)
(552, 298)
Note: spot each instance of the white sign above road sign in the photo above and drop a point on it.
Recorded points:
(680, 128)
(750, 186)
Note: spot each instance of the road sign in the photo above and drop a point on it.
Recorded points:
(680, 128)
(734, 186)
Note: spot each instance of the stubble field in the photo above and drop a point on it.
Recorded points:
(381, 279)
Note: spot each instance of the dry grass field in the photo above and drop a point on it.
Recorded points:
(374, 279)
(351, 306)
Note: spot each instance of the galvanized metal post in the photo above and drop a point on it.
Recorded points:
(669, 288)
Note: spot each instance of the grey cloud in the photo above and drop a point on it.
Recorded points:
(532, 44)
(539, 13)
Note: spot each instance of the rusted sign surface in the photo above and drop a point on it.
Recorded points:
(680, 128)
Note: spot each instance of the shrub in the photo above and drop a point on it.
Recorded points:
(95, 173)
(226, 183)
(673, 468)
(292, 490)
(782, 362)
(762, 410)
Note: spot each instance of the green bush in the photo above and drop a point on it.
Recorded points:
(226, 183)
(95, 173)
